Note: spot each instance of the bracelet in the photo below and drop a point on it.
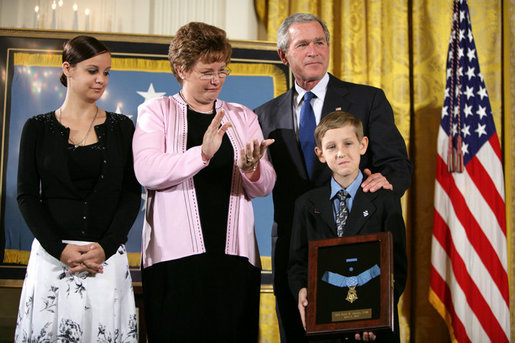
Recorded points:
(250, 170)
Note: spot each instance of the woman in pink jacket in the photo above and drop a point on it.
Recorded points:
(201, 161)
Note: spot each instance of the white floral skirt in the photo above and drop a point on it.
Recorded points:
(60, 307)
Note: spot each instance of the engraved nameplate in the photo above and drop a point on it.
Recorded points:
(342, 316)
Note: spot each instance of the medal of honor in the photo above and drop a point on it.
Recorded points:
(351, 281)
(352, 295)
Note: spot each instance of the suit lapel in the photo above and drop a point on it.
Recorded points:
(335, 97)
(284, 115)
(322, 209)
(362, 209)
(286, 120)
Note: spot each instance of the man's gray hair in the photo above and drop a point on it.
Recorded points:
(283, 36)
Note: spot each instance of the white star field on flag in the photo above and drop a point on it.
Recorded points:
(471, 105)
(151, 93)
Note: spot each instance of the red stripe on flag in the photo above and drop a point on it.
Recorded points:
(494, 142)
(487, 188)
(475, 234)
(475, 299)
(443, 292)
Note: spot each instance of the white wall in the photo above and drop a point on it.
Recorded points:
(158, 17)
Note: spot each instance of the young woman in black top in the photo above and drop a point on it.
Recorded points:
(79, 196)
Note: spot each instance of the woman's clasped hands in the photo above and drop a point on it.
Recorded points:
(83, 258)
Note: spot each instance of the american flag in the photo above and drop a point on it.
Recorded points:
(469, 280)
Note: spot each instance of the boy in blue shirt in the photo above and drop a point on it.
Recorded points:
(341, 143)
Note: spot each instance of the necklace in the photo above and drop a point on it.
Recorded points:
(193, 108)
(76, 145)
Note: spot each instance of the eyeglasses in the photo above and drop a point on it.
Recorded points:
(209, 75)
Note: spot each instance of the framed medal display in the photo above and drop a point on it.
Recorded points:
(350, 285)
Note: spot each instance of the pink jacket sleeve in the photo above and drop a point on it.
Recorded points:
(264, 185)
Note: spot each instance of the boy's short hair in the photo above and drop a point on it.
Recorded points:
(336, 120)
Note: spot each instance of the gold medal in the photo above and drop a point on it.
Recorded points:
(352, 295)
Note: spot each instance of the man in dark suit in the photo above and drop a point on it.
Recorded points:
(303, 45)
(339, 144)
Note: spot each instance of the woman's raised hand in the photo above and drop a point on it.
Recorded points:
(213, 136)
(250, 156)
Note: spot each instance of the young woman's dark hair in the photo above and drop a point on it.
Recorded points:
(79, 49)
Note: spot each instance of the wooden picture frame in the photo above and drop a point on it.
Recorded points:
(350, 285)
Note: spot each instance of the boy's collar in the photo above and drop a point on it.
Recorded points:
(352, 189)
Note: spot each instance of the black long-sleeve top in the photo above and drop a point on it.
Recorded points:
(50, 202)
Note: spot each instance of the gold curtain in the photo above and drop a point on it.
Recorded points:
(401, 47)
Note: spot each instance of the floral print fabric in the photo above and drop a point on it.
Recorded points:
(59, 307)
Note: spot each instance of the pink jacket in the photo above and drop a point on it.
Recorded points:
(171, 229)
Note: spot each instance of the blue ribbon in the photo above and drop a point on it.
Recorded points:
(351, 281)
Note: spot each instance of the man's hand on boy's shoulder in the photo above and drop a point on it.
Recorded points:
(375, 181)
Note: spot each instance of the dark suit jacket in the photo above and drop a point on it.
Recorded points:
(386, 152)
(371, 212)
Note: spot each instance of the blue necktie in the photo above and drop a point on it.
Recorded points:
(307, 130)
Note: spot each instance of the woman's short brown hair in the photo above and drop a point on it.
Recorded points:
(336, 120)
(195, 42)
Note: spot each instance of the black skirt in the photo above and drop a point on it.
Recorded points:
(202, 298)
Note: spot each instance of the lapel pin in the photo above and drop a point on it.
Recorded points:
(365, 213)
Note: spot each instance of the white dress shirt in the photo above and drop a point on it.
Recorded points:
(317, 102)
